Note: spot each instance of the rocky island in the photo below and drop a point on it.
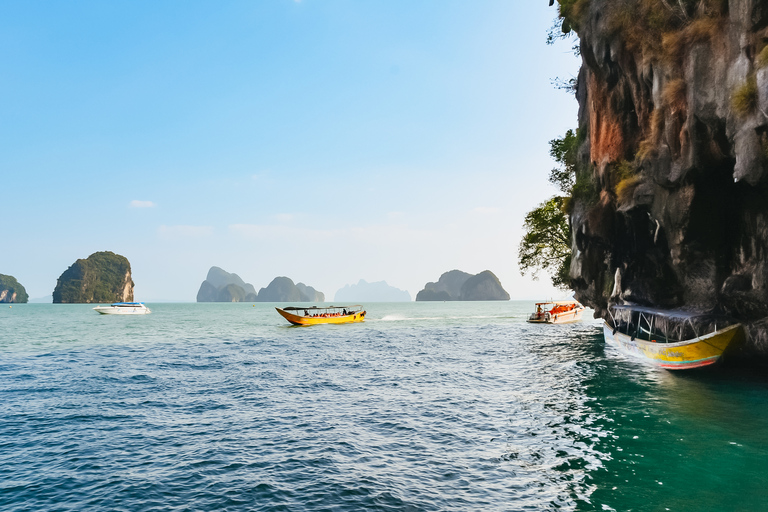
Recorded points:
(221, 286)
(458, 285)
(11, 291)
(364, 291)
(102, 277)
(282, 289)
(668, 206)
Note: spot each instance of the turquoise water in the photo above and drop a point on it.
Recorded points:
(425, 406)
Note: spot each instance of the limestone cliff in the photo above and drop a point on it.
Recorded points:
(669, 207)
(102, 277)
(11, 290)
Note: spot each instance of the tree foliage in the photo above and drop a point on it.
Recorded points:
(546, 244)
(565, 152)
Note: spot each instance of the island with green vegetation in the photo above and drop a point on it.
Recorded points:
(664, 178)
(102, 277)
(11, 291)
(458, 285)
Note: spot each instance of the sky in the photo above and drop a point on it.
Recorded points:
(324, 140)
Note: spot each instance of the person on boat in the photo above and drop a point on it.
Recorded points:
(344, 311)
(306, 313)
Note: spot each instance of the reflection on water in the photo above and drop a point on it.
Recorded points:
(441, 406)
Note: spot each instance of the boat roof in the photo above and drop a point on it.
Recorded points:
(299, 308)
(557, 302)
(126, 303)
(669, 313)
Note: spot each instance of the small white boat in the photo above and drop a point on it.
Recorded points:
(124, 308)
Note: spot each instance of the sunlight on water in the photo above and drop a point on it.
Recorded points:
(425, 406)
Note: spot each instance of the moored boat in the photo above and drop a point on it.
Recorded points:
(671, 339)
(123, 308)
(557, 312)
(323, 315)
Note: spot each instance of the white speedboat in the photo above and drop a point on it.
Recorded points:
(123, 308)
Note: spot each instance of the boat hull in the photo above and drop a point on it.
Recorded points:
(559, 318)
(695, 353)
(311, 320)
(110, 310)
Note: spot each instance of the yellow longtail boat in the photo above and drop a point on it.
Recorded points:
(327, 315)
(671, 339)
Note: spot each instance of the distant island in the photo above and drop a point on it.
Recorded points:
(11, 290)
(458, 285)
(221, 286)
(102, 277)
(364, 291)
(282, 289)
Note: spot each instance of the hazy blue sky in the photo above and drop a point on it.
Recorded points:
(325, 140)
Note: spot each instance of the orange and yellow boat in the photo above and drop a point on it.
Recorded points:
(671, 339)
(557, 312)
(327, 315)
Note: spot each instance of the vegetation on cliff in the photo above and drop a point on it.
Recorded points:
(546, 243)
(11, 290)
(102, 277)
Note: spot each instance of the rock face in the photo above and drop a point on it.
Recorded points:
(282, 289)
(364, 291)
(458, 285)
(670, 204)
(11, 290)
(221, 286)
(102, 277)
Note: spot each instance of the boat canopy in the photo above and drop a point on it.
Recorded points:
(666, 313)
(557, 302)
(311, 308)
(667, 325)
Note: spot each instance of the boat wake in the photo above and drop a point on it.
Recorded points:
(401, 318)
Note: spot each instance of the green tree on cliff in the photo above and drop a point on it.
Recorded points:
(546, 244)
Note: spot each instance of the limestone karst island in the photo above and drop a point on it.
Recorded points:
(101, 277)
(11, 290)
(221, 286)
(458, 285)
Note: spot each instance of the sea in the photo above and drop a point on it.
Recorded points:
(450, 406)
